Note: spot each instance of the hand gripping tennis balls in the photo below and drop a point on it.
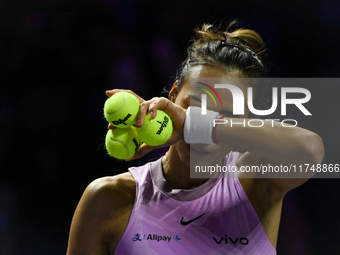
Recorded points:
(122, 143)
(121, 109)
(155, 131)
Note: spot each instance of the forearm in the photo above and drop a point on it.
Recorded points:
(272, 141)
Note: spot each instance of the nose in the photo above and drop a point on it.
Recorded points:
(110, 126)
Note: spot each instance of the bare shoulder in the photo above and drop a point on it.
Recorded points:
(111, 193)
(119, 188)
(102, 215)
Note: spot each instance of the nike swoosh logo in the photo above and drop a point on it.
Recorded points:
(184, 223)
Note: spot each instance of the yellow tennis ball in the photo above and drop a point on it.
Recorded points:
(121, 109)
(122, 143)
(155, 131)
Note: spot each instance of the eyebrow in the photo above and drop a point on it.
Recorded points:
(226, 113)
(196, 98)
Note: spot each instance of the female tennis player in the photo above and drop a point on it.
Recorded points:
(158, 209)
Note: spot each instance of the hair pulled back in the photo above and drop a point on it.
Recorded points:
(241, 50)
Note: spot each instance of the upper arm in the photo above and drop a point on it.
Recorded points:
(312, 152)
(95, 218)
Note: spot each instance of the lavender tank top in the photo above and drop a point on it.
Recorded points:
(214, 218)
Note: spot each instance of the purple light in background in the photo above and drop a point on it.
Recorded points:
(36, 20)
(126, 73)
(329, 11)
(162, 49)
(165, 56)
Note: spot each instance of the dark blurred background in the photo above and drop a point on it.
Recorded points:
(58, 57)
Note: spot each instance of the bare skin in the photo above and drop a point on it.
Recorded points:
(103, 212)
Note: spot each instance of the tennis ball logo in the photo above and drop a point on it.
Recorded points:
(164, 124)
(156, 131)
(121, 109)
(121, 121)
(122, 143)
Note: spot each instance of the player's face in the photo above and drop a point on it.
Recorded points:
(190, 95)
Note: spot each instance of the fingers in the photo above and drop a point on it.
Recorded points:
(151, 107)
(143, 110)
(144, 105)
(159, 103)
(176, 113)
(110, 93)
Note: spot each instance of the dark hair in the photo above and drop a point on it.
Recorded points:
(239, 50)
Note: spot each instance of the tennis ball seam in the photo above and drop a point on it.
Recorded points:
(126, 148)
(146, 125)
(119, 107)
